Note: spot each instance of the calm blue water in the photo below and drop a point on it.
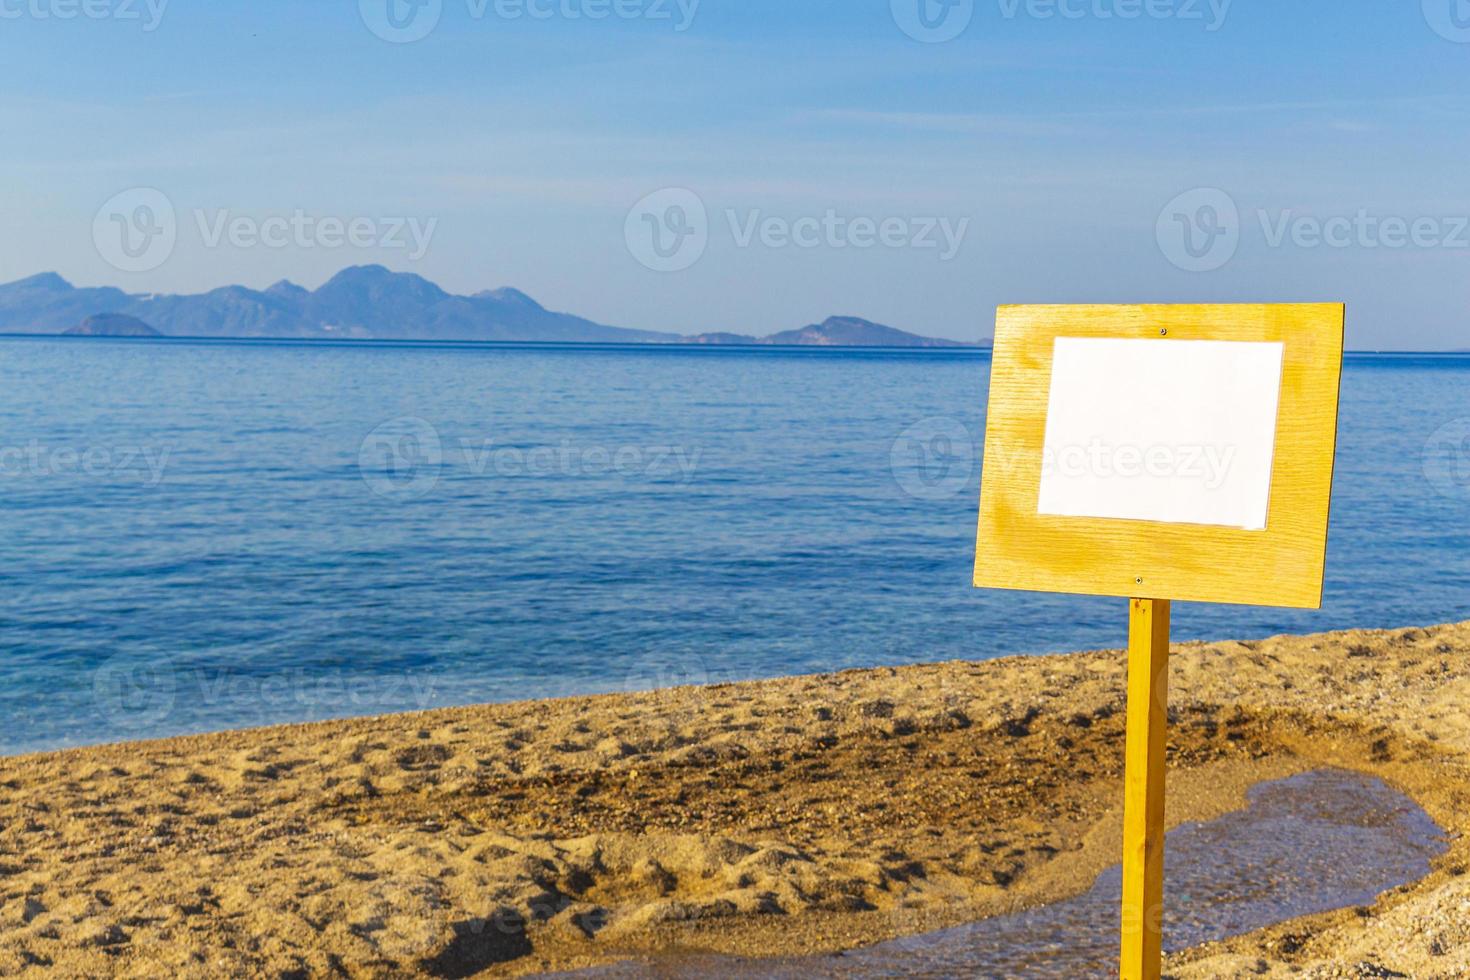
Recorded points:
(199, 536)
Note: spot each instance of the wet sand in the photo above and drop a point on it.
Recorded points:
(794, 816)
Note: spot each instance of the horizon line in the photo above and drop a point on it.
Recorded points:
(955, 347)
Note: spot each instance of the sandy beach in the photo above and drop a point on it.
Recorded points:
(792, 816)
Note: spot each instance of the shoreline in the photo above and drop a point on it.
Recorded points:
(784, 817)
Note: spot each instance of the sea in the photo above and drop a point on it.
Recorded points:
(199, 535)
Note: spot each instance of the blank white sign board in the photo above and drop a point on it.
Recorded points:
(1181, 432)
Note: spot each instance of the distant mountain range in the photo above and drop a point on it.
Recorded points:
(837, 331)
(112, 325)
(366, 303)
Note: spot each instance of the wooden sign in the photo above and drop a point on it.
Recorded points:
(1159, 453)
(1183, 452)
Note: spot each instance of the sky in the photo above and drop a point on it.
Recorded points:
(755, 165)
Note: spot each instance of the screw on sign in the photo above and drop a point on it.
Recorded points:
(1260, 380)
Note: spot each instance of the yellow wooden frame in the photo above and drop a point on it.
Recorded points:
(1018, 548)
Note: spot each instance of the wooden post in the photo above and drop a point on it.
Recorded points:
(1143, 807)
